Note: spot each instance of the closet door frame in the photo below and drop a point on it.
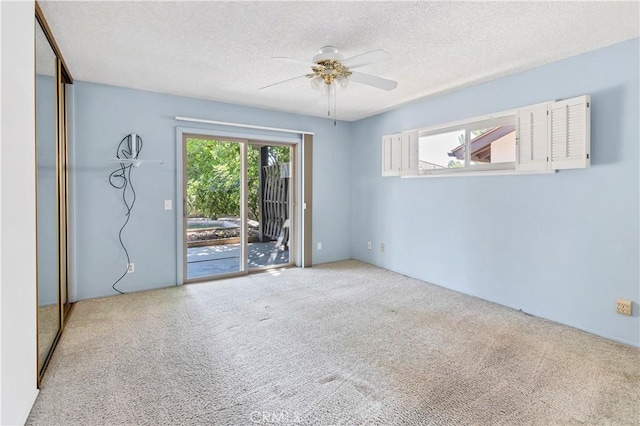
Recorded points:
(63, 78)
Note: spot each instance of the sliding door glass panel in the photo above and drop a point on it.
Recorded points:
(213, 208)
(269, 212)
(47, 197)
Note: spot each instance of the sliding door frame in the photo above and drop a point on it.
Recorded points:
(302, 230)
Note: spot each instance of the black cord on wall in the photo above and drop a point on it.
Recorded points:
(128, 149)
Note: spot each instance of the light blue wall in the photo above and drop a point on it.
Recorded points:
(103, 115)
(561, 246)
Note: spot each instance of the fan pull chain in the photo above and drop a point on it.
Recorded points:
(335, 107)
(335, 104)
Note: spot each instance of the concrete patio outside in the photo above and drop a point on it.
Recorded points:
(225, 258)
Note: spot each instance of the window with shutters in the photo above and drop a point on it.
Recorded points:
(537, 138)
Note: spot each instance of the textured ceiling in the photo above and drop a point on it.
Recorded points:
(222, 50)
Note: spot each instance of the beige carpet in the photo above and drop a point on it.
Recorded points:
(339, 344)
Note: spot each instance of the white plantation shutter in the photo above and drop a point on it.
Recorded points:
(386, 155)
(569, 133)
(409, 153)
(396, 153)
(391, 155)
(532, 136)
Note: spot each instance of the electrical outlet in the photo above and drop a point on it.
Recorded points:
(369, 245)
(319, 246)
(623, 306)
(167, 204)
(382, 247)
(131, 268)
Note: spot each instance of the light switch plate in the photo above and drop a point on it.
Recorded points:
(167, 204)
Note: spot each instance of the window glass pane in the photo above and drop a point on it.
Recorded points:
(442, 151)
(213, 208)
(493, 145)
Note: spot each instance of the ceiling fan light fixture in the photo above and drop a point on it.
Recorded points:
(316, 82)
(329, 74)
(329, 67)
(328, 89)
(342, 82)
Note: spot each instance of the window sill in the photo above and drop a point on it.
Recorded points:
(481, 173)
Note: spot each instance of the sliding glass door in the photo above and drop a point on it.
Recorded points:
(270, 205)
(214, 205)
(238, 206)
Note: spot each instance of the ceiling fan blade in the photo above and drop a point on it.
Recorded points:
(295, 61)
(372, 80)
(283, 81)
(366, 59)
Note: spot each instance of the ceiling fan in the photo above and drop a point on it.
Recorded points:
(329, 68)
